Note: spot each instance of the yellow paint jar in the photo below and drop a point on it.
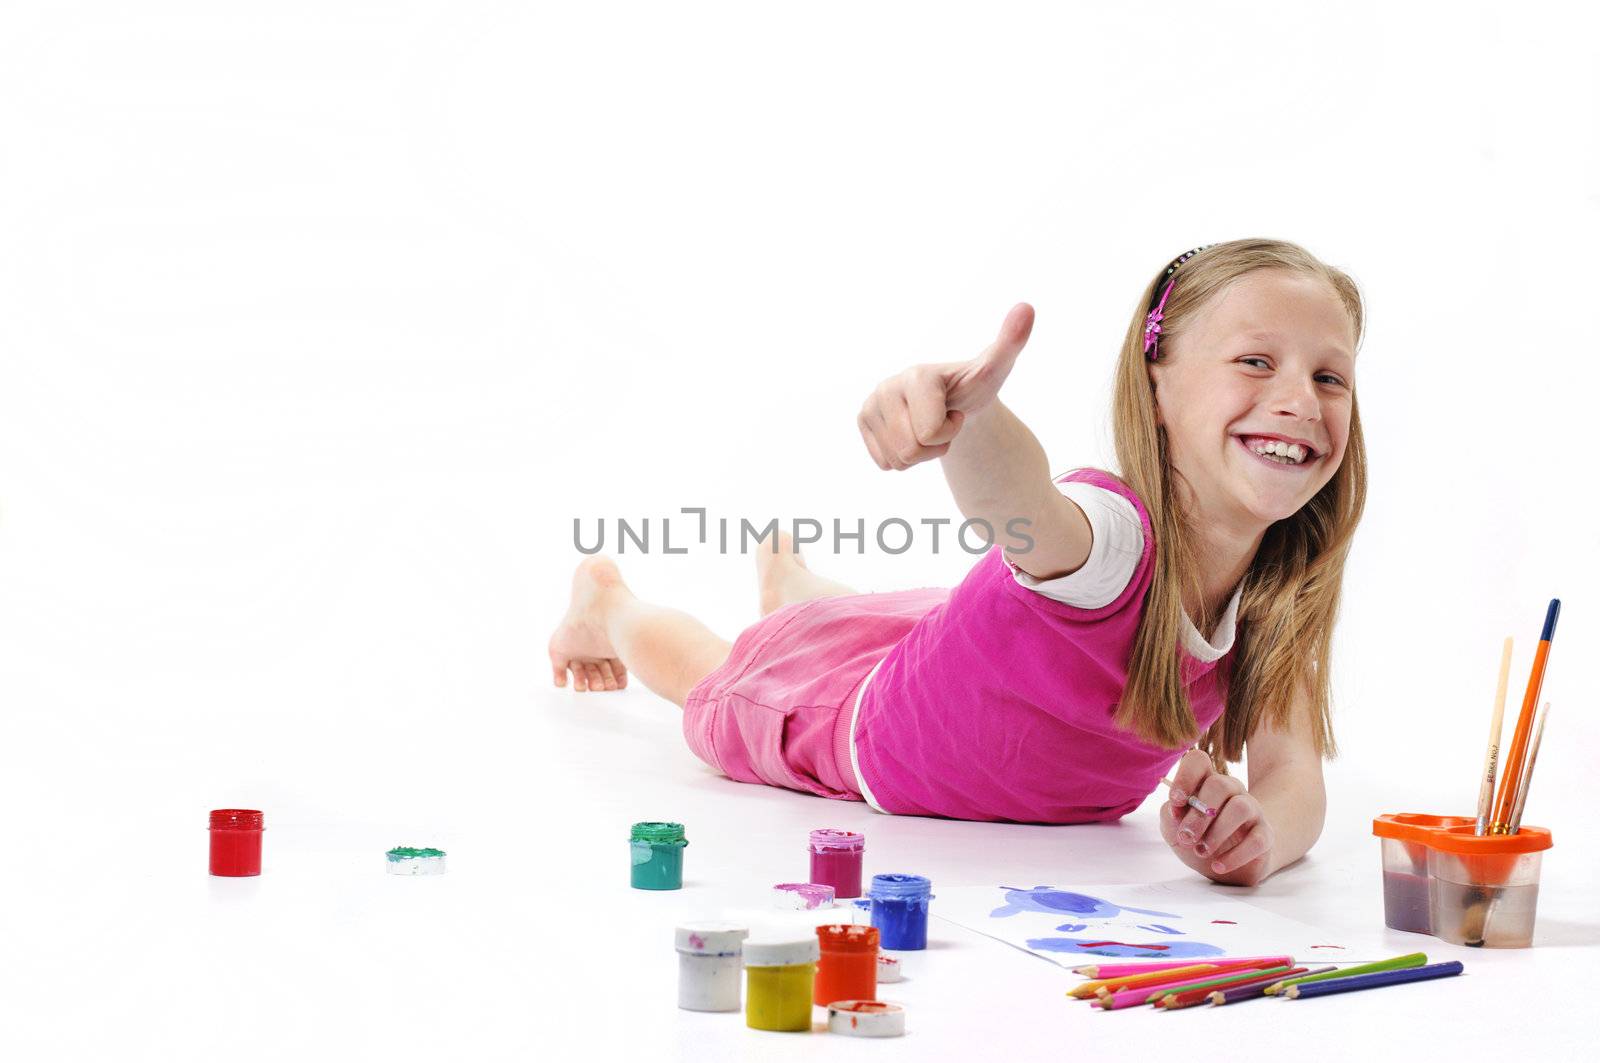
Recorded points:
(780, 975)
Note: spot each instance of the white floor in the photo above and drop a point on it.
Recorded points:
(532, 946)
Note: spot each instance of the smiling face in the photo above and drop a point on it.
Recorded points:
(1269, 361)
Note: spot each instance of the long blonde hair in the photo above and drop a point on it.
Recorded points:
(1290, 596)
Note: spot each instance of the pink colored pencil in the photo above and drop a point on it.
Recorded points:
(1122, 970)
(1127, 998)
(1190, 978)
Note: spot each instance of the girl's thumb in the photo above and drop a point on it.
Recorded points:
(1001, 355)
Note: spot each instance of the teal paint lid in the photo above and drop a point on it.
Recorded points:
(658, 833)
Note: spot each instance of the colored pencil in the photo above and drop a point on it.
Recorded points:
(1512, 769)
(1127, 998)
(1122, 970)
(1200, 994)
(1182, 976)
(1410, 959)
(1222, 979)
(1193, 802)
(1252, 990)
(1527, 772)
(1492, 758)
(1176, 974)
(1373, 981)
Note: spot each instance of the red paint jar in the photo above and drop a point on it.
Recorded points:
(836, 861)
(848, 969)
(236, 842)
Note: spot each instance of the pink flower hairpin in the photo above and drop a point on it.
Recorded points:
(1152, 320)
(1152, 324)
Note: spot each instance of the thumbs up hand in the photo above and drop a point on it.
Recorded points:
(913, 416)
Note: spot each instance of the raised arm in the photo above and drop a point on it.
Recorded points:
(996, 468)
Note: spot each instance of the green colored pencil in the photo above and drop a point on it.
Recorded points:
(1410, 959)
(1222, 980)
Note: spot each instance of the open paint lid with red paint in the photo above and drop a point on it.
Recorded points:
(866, 1018)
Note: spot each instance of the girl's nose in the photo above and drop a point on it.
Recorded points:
(1298, 398)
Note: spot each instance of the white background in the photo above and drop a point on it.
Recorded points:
(321, 322)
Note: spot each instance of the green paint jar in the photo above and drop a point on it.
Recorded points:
(657, 850)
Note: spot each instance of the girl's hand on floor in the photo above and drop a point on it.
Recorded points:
(912, 417)
(1235, 845)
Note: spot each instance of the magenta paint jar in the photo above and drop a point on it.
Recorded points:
(836, 860)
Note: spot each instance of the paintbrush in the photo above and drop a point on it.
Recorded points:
(1519, 738)
(1492, 758)
(1527, 773)
(1475, 919)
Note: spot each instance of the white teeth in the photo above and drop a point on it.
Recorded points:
(1277, 449)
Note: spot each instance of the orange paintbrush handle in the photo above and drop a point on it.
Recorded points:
(1512, 765)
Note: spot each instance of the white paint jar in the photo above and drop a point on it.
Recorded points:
(709, 965)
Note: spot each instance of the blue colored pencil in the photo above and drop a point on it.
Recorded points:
(1373, 981)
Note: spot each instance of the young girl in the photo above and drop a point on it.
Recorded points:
(1188, 602)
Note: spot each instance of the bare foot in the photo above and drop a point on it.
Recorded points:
(580, 643)
(773, 569)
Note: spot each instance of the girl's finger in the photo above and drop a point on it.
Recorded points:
(1214, 792)
(1254, 845)
(607, 675)
(1192, 770)
(1237, 815)
(903, 446)
(931, 422)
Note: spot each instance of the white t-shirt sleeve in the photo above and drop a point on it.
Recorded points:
(1113, 556)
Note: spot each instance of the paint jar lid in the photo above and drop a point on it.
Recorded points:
(782, 952)
(848, 937)
(889, 969)
(237, 819)
(866, 1018)
(658, 833)
(710, 938)
(802, 896)
(899, 888)
(837, 841)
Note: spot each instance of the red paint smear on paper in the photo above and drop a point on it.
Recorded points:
(1230, 922)
(1124, 944)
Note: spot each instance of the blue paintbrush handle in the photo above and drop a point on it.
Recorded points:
(1550, 615)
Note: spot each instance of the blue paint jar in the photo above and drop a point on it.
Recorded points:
(900, 911)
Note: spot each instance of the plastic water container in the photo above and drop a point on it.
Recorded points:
(1440, 878)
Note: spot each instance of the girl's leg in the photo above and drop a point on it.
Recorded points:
(785, 579)
(608, 633)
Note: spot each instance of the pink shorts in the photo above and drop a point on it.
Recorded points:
(778, 710)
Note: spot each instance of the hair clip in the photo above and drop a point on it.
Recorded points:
(1152, 320)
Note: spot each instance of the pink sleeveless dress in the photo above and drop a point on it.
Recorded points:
(987, 701)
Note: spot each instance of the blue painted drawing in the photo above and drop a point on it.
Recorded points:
(1052, 901)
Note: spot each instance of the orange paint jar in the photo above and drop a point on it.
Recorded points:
(848, 969)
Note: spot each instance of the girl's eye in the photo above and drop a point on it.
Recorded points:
(1329, 377)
